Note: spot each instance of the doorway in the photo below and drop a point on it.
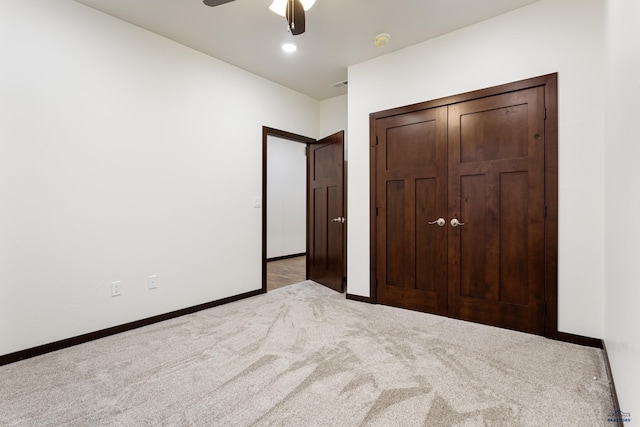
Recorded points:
(464, 206)
(321, 216)
(275, 255)
(286, 210)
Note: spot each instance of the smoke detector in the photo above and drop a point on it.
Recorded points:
(382, 40)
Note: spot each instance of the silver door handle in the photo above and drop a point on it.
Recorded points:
(439, 221)
(456, 223)
(338, 219)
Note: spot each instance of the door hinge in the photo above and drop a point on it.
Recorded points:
(545, 211)
(545, 113)
(376, 140)
(376, 211)
(376, 283)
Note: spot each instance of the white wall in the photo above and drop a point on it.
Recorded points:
(564, 36)
(286, 197)
(622, 245)
(333, 116)
(122, 154)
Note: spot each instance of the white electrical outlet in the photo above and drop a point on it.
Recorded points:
(152, 281)
(116, 288)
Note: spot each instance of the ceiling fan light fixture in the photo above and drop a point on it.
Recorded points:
(280, 6)
(289, 47)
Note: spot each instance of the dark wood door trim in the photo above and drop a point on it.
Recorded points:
(549, 83)
(266, 132)
(551, 205)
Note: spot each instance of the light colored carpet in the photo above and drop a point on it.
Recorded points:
(303, 355)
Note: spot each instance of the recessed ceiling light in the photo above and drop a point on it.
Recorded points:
(289, 47)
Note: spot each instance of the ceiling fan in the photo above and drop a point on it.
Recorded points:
(294, 14)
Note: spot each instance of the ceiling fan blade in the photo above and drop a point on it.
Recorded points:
(295, 17)
(213, 3)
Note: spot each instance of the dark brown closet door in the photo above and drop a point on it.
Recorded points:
(411, 167)
(496, 189)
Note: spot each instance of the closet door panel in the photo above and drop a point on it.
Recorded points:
(496, 189)
(411, 192)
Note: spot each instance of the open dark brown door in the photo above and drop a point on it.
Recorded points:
(325, 253)
(496, 189)
(411, 196)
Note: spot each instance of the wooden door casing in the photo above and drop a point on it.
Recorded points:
(501, 182)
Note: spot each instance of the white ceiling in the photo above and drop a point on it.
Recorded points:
(339, 33)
